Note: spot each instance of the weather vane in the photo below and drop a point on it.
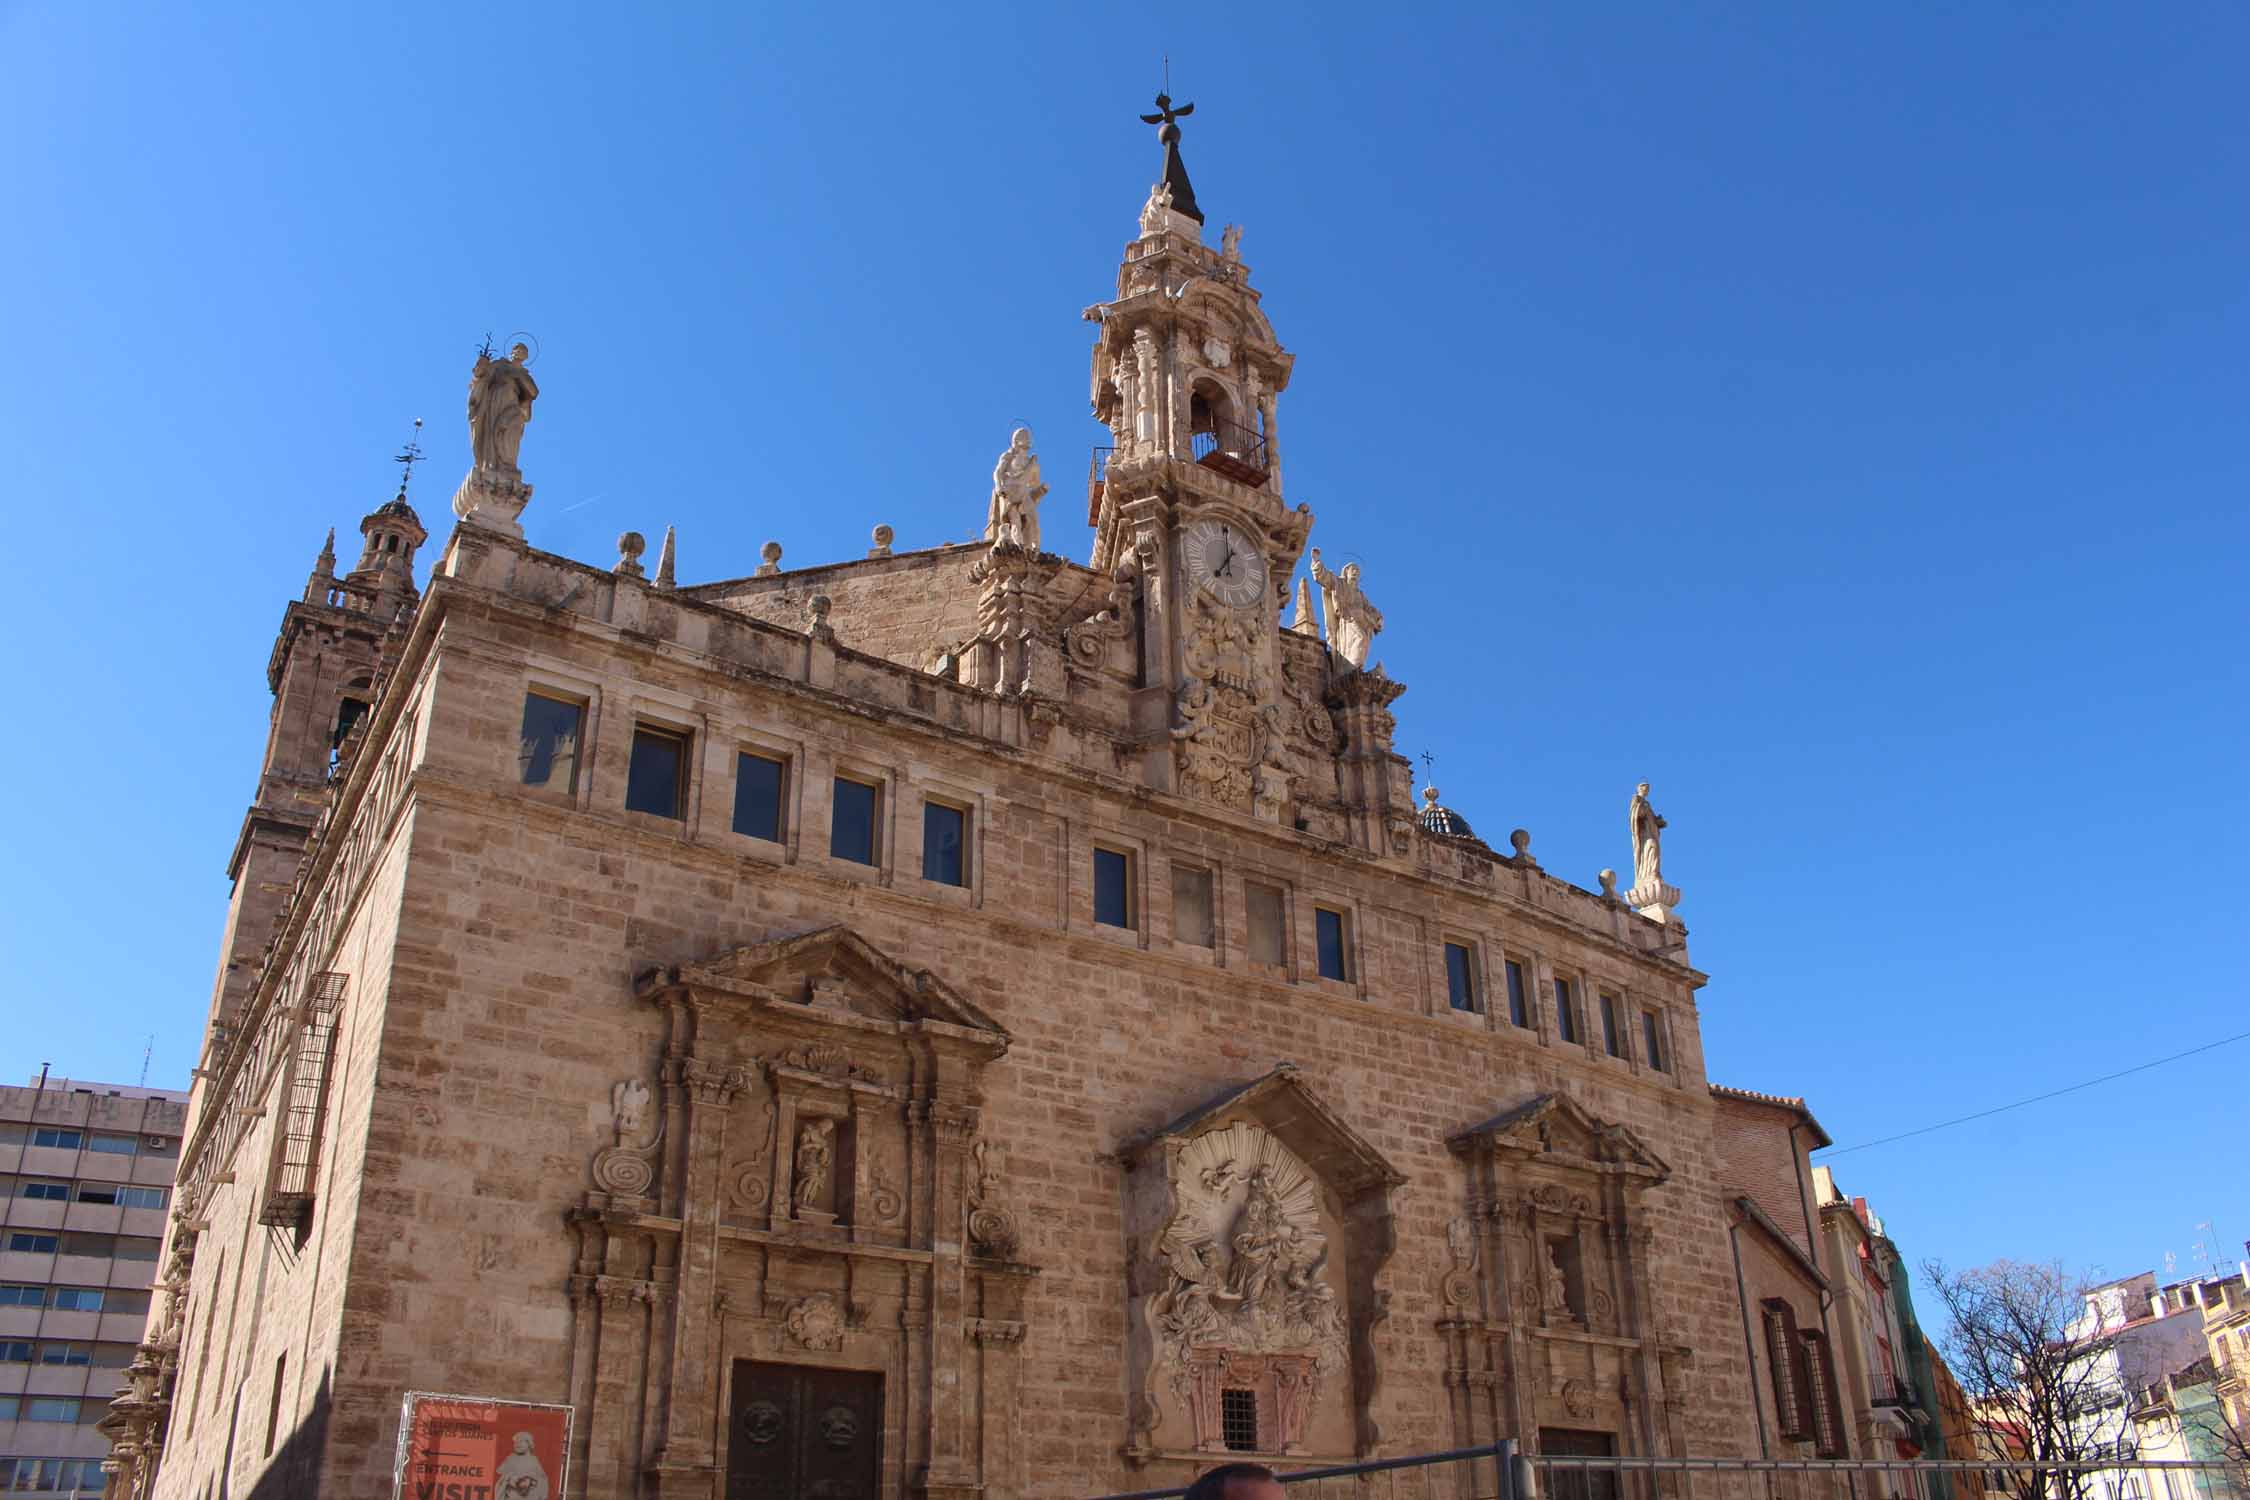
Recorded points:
(407, 457)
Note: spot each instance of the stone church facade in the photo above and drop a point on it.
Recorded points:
(953, 1022)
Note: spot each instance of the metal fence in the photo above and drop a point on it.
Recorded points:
(1503, 1472)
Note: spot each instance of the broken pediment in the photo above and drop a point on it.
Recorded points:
(1561, 1132)
(833, 973)
(1283, 1104)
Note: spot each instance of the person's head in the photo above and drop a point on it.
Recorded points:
(1236, 1482)
(522, 1442)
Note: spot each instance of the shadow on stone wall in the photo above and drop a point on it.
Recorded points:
(294, 1472)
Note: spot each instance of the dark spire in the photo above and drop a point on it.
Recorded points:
(1167, 120)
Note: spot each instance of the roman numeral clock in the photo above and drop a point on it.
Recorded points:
(1222, 560)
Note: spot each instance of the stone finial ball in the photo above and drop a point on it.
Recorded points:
(883, 535)
(631, 544)
(1520, 840)
(1609, 880)
(771, 552)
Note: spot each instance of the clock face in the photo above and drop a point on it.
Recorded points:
(1222, 559)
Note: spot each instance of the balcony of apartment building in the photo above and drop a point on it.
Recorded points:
(1894, 1391)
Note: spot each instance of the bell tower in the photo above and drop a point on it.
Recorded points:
(326, 668)
(1187, 376)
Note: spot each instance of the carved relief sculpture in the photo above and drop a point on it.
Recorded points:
(1264, 1223)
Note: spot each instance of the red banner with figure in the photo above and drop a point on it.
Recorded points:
(477, 1448)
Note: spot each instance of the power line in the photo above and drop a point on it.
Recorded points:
(2001, 1109)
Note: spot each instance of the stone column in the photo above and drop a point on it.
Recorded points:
(1273, 443)
(948, 1475)
(690, 1429)
(609, 1451)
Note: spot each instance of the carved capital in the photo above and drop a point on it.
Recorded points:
(994, 1330)
(711, 1083)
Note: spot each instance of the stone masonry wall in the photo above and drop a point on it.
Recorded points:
(525, 915)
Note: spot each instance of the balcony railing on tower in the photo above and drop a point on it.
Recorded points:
(1232, 450)
(1097, 479)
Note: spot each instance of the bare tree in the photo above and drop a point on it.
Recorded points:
(2229, 1439)
(2020, 1342)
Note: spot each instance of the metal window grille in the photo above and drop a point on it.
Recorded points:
(1786, 1356)
(1820, 1385)
(304, 1105)
(1238, 1420)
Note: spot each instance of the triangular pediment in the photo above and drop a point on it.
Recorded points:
(831, 969)
(1557, 1127)
(1283, 1103)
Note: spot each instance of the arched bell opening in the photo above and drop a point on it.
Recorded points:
(1220, 439)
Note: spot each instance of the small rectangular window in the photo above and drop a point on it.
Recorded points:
(15, 1351)
(97, 1192)
(136, 1247)
(50, 1192)
(1613, 1036)
(114, 1145)
(1566, 1014)
(66, 1354)
(77, 1299)
(1332, 936)
(852, 820)
(1519, 1003)
(1191, 907)
(1785, 1361)
(547, 754)
(140, 1197)
(51, 1409)
(66, 1140)
(1238, 1420)
(758, 784)
(1262, 905)
(11, 1407)
(1652, 1042)
(656, 776)
(1460, 977)
(1113, 888)
(33, 1244)
(17, 1294)
(945, 844)
(273, 1407)
(1820, 1384)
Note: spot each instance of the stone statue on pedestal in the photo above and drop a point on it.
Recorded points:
(1352, 621)
(1648, 844)
(501, 392)
(1016, 492)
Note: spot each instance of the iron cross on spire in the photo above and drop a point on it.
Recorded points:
(1167, 114)
(407, 457)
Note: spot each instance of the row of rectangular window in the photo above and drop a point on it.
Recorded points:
(70, 1476)
(48, 1190)
(66, 1138)
(73, 1242)
(72, 1298)
(656, 783)
(64, 1352)
(49, 1409)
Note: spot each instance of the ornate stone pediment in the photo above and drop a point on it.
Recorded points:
(1560, 1132)
(1260, 1221)
(834, 973)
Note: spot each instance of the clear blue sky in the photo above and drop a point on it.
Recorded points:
(1832, 414)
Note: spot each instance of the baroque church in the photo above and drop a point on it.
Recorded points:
(957, 1022)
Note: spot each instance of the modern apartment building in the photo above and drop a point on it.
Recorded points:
(85, 1181)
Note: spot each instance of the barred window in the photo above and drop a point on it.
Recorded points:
(1784, 1355)
(1819, 1374)
(1238, 1420)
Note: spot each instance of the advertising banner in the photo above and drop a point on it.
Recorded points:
(479, 1448)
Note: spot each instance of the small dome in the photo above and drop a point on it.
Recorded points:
(1443, 822)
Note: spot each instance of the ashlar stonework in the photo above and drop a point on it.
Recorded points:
(1026, 1044)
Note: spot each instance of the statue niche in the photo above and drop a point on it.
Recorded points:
(1263, 1221)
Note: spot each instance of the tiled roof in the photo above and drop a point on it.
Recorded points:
(1779, 1101)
